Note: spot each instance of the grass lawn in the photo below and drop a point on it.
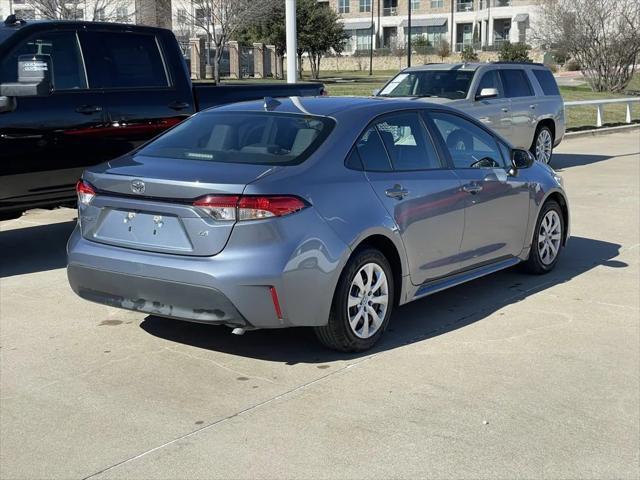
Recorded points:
(359, 83)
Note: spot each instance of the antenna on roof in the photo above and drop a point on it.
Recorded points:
(14, 20)
(271, 103)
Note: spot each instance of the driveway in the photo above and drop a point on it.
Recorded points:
(511, 376)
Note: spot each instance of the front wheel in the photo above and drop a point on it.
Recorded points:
(542, 147)
(361, 305)
(547, 239)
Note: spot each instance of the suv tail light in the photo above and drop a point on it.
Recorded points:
(85, 192)
(236, 207)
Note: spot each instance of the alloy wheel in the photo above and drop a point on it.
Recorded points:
(368, 300)
(549, 237)
(544, 146)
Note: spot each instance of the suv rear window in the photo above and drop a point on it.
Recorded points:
(259, 138)
(547, 82)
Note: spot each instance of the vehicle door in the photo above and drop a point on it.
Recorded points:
(46, 141)
(420, 192)
(142, 99)
(519, 91)
(494, 112)
(497, 198)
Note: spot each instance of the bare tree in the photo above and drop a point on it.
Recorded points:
(96, 10)
(219, 20)
(603, 36)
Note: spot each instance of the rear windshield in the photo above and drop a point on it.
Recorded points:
(453, 84)
(259, 138)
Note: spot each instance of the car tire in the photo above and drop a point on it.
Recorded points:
(547, 241)
(365, 284)
(542, 147)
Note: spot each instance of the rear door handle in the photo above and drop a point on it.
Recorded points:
(504, 109)
(396, 192)
(532, 106)
(178, 105)
(472, 188)
(88, 109)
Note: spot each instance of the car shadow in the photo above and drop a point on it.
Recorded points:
(34, 249)
(420, 320)
(561, 161)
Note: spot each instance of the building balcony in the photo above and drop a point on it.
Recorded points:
(389, 11)
(464, 6)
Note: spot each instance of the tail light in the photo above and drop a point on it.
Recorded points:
(235, 207)
(85, 192)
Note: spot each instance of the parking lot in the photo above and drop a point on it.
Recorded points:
(508, 376)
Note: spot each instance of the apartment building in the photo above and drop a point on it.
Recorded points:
(483, 24)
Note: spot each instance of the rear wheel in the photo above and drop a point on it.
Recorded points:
(547, 239)
(542, 147)
(361, 305)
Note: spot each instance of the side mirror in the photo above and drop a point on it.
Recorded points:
(487, 93)
(7, 104)
(34, 78)
(521, 159)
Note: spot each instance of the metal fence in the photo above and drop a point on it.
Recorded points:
(599, 104)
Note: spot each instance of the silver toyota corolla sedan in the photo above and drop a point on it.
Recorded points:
(319, 212)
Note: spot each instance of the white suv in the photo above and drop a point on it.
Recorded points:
(519, 101)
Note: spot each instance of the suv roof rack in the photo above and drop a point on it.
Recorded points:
(13, 20)
(519, 63)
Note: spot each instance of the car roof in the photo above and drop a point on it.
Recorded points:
(6, 29)
(335, 107)
(445, 66)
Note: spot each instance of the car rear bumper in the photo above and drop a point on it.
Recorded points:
(237, 287)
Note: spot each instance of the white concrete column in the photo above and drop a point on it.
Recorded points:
(490, 30)
(290, 12)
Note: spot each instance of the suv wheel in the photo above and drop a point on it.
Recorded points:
(361, 305)
(547, 239)
(542, 147)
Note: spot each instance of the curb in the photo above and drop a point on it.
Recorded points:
(601, 131)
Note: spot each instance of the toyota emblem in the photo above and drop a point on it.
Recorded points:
(137, 186)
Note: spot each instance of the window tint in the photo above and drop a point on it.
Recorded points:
(490, 80)
(469, 145)
(123, 60)
(372, 152)
(516, 83)
(66, 62)
(407, 143)
(547, 82)
(253, 137)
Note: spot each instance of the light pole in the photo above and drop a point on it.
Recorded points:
(409, 35)
(292, 49)
(371, 42)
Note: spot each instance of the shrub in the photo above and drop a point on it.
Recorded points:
(572, 65)
(443, 49)
(514, 52)
(468, 54)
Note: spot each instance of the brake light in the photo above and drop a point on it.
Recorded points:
(85, 192)
(235, 207)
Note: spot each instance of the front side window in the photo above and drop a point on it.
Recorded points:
(516, 83)
(259, 138)
(407, 142)
(469, 145)
(453, 84)
(123, 60)
(490, 79)
(65, 59)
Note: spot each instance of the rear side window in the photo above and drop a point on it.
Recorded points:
(515, 83)
(259, 138)
(371, 151)
(547, 82)
(66, 61)
(123, 60)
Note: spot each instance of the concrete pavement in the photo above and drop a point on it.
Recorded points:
(511, 376)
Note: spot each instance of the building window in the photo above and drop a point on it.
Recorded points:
(100, 15)
(390, 8)
(436, 34)
(365, 6)
(437, 3)
(343, 6)
(182, 16)
(415, 5)
(363, 39)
